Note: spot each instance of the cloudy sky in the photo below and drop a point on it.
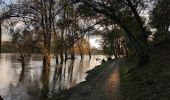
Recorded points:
(5, 35)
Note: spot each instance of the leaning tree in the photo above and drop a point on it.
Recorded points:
(121, 11)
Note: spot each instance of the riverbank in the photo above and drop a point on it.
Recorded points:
(102, 83)
(149, 82)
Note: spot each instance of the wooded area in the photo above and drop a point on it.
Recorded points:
(62, 28)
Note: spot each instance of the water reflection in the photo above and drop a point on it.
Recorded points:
(70, 72)
(38, 83)
(57, 77)
(79, 75)
(45, 83)
(21, 76)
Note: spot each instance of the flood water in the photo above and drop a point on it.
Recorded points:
(35, 82)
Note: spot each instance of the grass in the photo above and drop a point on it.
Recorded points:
(148, 82)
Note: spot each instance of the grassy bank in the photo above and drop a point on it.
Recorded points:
(148, 82)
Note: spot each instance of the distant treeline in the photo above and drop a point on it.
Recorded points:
(8, 47)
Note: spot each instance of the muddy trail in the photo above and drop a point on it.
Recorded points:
(103, 86)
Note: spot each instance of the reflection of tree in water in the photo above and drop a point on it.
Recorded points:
(80, 70)
(20, 91)
(13, 58)
(70, 71)
(68, 74)
(57, 77)
(64, 70)
(63, 77)
(21, 76)
(45, 83)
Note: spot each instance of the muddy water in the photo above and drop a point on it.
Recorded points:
(35, 82)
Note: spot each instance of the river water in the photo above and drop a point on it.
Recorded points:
(34, 81)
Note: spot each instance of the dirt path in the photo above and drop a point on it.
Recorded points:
(103, 87)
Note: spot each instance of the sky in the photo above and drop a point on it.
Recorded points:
(5, 35)
(95, 41)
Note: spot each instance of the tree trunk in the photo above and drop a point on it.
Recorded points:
(145, 56)
(56, 59)
(66, 55)
(166, 32)
(61, 58)
(139, 48)
(81, 54)
(89, 54)
(0, 35)
(46, 58)
(80, 49)
(45, 83)
(72, 54)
